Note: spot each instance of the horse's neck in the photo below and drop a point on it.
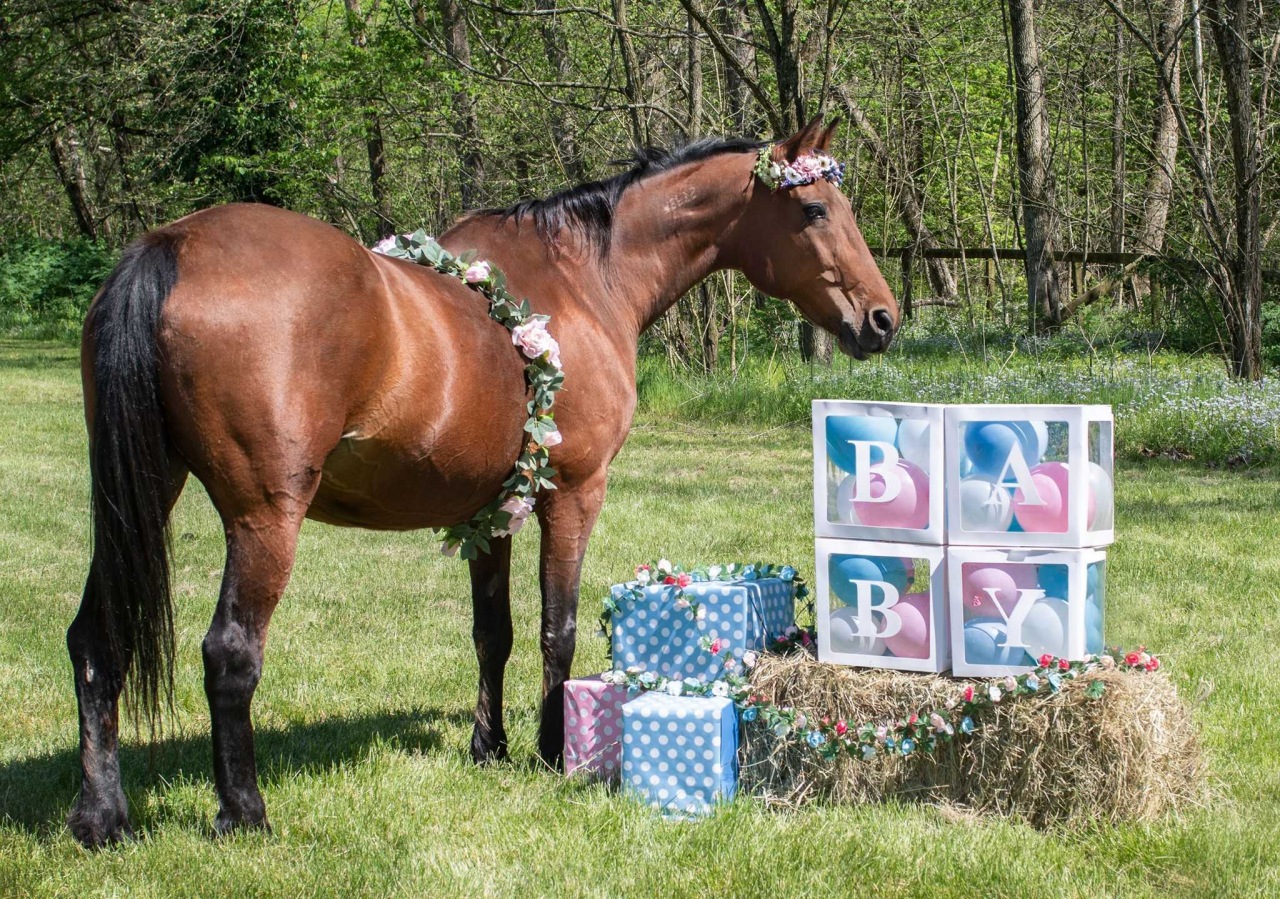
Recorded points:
(669, 233)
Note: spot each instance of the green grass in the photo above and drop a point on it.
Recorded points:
(363, 713)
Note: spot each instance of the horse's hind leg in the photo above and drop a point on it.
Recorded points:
(100, 814)
(491, 631)
(260, 551)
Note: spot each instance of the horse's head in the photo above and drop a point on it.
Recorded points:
(801, 243)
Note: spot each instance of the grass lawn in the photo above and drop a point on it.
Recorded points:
(363, 713)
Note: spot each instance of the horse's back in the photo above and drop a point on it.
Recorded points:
(297, 363)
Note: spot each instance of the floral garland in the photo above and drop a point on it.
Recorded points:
(506, 514)
(664, 572)
(807, 168)
(923, 732)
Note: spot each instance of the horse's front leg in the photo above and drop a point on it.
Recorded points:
(491, 631)
(567, 517)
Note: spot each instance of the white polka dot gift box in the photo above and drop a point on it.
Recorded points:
(666, 629)
(680, 753)
(593, 727)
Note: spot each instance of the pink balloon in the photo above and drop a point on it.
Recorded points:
(912, 642)
(1052, 480)
(1025, 575)
(979, 579)
(909, 509)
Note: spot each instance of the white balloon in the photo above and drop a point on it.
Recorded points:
(913, 442)
(1045, 628)
(984, 505)
(845, 638)
(1104, 498)
(844, 500)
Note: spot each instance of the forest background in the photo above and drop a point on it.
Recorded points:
(1126, 148)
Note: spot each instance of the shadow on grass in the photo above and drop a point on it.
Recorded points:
(36, 793)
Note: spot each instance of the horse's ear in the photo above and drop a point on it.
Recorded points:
(803, 139)
(823, 144)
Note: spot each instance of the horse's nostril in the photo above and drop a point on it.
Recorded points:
(882, 321)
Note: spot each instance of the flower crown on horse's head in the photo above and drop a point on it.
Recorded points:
(807, 168)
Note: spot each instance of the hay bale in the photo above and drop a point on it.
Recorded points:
(1066, 759)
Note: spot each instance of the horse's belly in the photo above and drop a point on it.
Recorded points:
(383, 485)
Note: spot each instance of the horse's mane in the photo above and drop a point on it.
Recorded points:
(588, 208)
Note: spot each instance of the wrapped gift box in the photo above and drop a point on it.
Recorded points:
(1010, 606)
(882, 605)
(1034, 476)
(877, 471)
(593, 727)
(680, 753)
(662, 632)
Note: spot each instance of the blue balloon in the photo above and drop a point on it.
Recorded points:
(989, 443)
(895, 572)
(1093, 642)
(843, 428)
(1034, 437)
(984, 644)
(846, 569)
(1053, 580)
(1096, 583)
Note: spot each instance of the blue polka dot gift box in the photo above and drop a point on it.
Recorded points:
(660, 629)
(680, 753)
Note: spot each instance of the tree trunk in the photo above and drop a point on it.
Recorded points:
(1148, 237)
(69, 168)
(1039, 216)
(1119, 115)
(465, 122)
(631, 73)
(1230, 21)
(562, 126)
(780, 40)
(357, 29)
(737, 92)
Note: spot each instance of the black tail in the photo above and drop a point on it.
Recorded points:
(128, 461)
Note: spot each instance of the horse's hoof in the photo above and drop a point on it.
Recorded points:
(100, 824)
(227, 823)
(552, 757)
(488, 751)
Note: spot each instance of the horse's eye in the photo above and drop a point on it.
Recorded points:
(815, 211)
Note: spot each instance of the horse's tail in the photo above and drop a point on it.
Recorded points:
(129, 466)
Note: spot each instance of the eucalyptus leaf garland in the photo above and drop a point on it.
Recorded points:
(506, 514)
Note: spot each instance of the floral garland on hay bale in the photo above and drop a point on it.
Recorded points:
(1114, 744)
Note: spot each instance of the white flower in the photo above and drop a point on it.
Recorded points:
(664, 566)
(554, 438)
(642, 576)
(702, 613)
(681, 603)
(675, 687)
(749, 658)
(714, 572)
(994, 692)
(720, 688)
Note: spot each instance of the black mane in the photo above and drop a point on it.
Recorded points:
(588, 208)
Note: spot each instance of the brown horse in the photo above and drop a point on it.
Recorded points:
(297, 375)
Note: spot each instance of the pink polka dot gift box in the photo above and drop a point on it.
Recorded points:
(593, 727)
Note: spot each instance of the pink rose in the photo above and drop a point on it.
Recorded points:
(554, 438)
(386, 245)
(841, 728)
(715, 646)
(1045, 660)
(476, 273)
(1132, 659)
(518, 507)
(1152, 664)
(1064, 665)
(534, 340)
(683, 580)
(968, 693)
